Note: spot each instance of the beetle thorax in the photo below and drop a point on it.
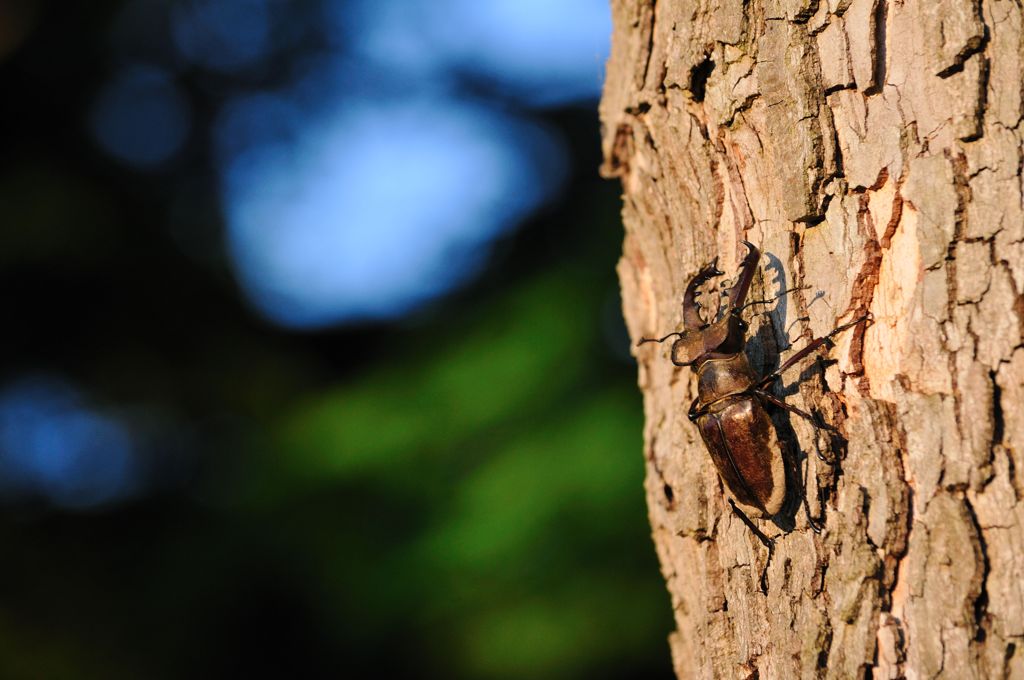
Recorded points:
(720, 377)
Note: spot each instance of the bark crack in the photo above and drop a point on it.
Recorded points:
(879, 16)
(982, 620)
(647, 19)
(975, 45)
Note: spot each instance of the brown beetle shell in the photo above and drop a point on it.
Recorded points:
(724, 337)
(723, 377)
(743, 445)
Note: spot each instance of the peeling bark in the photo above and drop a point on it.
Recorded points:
(872, 149)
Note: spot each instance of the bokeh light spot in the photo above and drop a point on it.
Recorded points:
(224, 35)
(53, 445)
(378, 208)
(140, 117)
(541, 52)
(547, 52)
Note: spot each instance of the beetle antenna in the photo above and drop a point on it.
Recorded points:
(765, 302)
(644, 340)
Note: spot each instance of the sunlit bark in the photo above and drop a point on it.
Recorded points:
(872, 149)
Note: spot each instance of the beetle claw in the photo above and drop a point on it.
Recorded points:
(715, 271)
(738, 293)
(691, 313)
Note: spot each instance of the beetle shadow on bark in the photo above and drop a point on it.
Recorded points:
(765, 352)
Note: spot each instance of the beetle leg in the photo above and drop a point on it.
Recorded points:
(814, 344)
(772, 399)
(694, 413)
(814, 417)
(815, 525)
(765, 541)
(819, 423)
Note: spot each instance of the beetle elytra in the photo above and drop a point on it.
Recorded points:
(730, 407)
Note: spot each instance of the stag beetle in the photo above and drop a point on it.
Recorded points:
(729, 410)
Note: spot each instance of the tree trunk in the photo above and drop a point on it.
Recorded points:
(872, 150)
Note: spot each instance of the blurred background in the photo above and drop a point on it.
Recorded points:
(313, 364)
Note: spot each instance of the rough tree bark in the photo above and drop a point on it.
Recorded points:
(872, 149)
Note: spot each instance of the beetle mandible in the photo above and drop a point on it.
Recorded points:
(729, 410)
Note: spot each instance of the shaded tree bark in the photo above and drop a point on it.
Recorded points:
(872, 149)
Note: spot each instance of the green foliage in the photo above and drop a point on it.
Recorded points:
(496, 493)
(467, 504)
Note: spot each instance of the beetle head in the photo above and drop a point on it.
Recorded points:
(725, 334)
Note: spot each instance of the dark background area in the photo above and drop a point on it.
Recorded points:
(313, 364)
